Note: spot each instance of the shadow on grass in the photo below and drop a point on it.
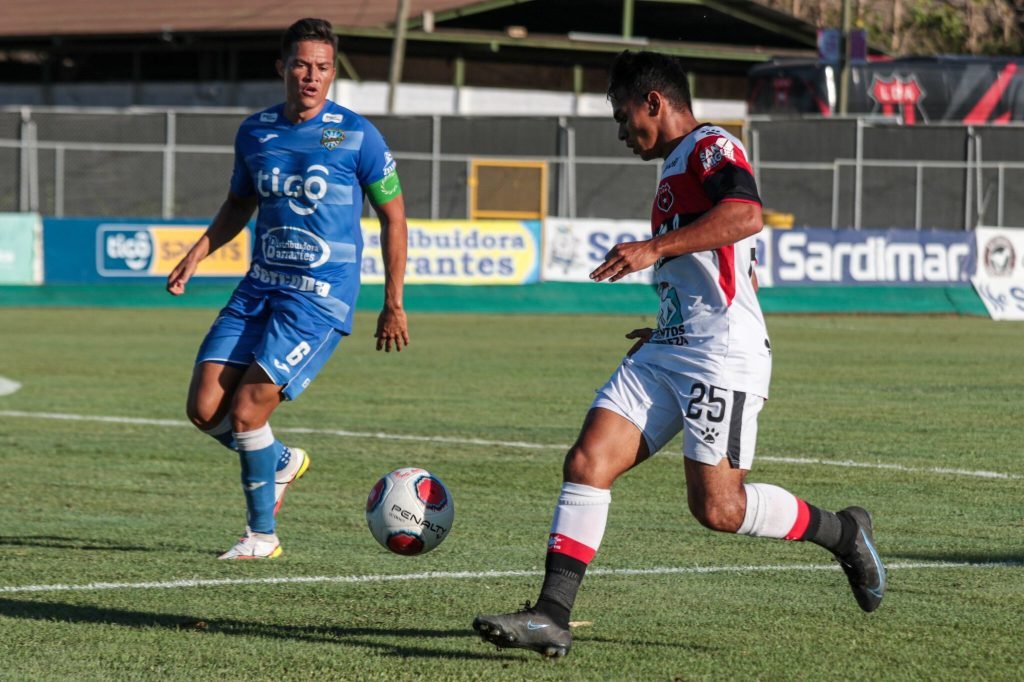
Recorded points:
(361, 637)
(1008, 558)
(58, 542)
(370, 638)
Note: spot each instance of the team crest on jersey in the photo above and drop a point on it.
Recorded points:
(665, 198)
(712, 156)
(332, 138)
(669, 313)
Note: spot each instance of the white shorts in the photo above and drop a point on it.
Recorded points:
(716, 422)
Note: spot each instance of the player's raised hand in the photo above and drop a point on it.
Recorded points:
(642, 335)
(392, 329)
(625, 258)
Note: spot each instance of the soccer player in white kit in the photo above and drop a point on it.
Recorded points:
(704, 370)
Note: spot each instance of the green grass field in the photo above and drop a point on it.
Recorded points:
(113, 509)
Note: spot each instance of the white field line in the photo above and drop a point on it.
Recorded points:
(379, 435)
(478, 575)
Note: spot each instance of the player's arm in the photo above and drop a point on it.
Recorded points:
(726, 223)
(232, 217)
(392, 325)
(378, 175)
(728, 182)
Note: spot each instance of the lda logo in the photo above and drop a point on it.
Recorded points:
(124, 251)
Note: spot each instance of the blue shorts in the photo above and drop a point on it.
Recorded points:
(277, 332)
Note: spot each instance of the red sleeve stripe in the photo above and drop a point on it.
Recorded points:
(562, 544)
(727, 271)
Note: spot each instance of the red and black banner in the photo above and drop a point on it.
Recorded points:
(968, 90)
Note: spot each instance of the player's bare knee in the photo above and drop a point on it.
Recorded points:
(581, 466)
(575, 467)
(204, 420)
(718, 514)
(243, 422)
(247, 416)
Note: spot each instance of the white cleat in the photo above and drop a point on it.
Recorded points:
(293, 471)
(254, 546)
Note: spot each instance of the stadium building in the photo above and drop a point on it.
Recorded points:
(110, 95)
(456, 57)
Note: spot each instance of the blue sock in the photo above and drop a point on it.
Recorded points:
(258, 453)
(223, 434)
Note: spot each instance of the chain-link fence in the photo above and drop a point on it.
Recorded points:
(858, 173)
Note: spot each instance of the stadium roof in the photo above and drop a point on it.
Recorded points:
(558, 45)
(709, 29)
(127, 17)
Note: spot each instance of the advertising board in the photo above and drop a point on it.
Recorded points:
(460, 252)
(93, 250)
(815, 257)
(574, 247)
(20, 248)
(999, 275)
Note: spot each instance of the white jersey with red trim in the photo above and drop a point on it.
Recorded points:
(710, 325)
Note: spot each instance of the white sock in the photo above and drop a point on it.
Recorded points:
(579, 522)
(771, 511)
(257, 439)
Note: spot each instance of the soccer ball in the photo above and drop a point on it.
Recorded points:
(410, 511)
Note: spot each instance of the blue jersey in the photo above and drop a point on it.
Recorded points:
(309, 179)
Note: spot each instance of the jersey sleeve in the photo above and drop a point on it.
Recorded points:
(723, 170)
(241, 178)
(377, 172)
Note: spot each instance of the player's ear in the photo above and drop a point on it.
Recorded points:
(279, 65)
(654, 102)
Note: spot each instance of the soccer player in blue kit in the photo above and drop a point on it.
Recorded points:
(306, 164)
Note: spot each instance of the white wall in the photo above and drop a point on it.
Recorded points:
(371, 98)
(368, 98)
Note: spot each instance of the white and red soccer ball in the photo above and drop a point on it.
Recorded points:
(410, 511)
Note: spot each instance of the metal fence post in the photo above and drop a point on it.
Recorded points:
(755, 154)
(28, 180)
(170, 141)
(570, 170)
(58, 181)
(835, 195)
(918, 195)
(435, 167)
(858, 177)
(561, 201)
(1000, 193)
(967, 177)
(979, 182)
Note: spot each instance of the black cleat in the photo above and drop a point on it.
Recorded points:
(525, 629)
(862, 565)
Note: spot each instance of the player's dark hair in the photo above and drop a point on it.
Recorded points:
(634, 74)
(318, 30)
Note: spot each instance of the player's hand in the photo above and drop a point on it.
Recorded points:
(180, 276)
(625, 258)
(643, 335)
(392, 329)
